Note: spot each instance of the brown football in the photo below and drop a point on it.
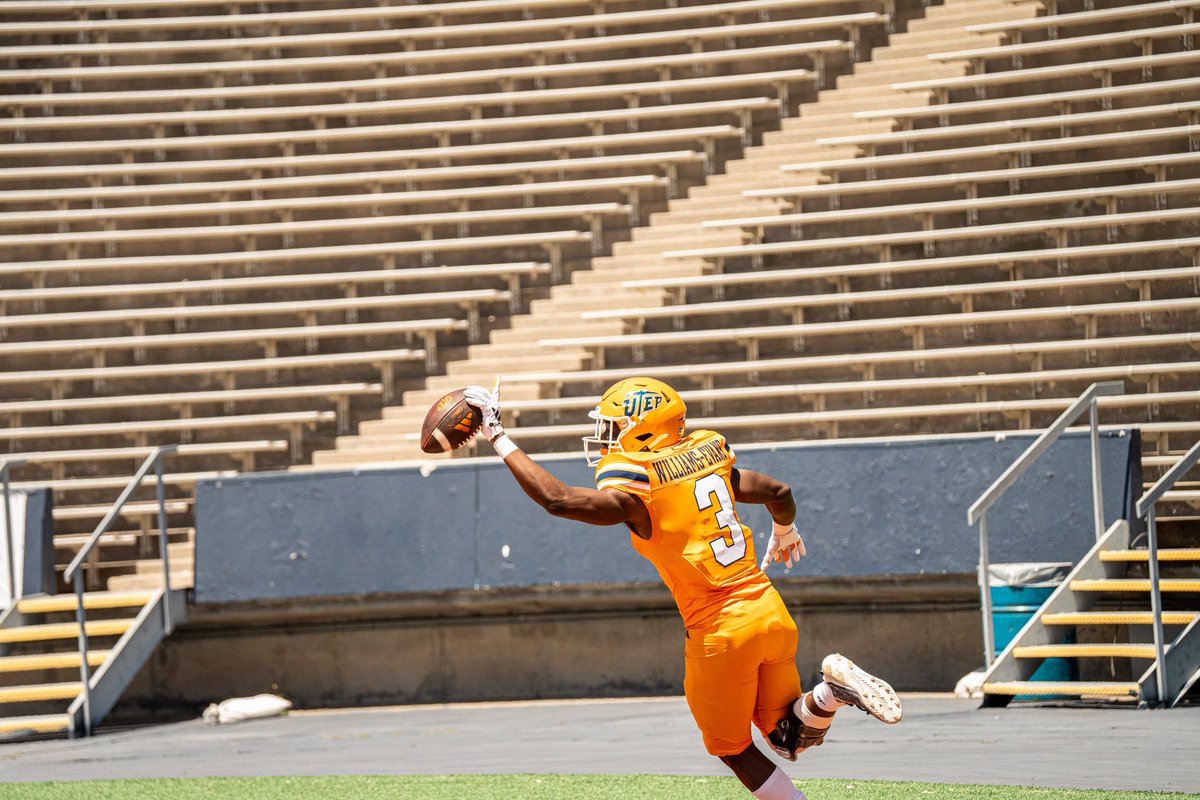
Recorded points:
(449, 424)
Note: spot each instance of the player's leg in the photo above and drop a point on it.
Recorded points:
(721, 686)
(760, 775)
(778, 713)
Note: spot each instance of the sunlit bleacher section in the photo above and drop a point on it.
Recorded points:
(248, 227)
(957, 252)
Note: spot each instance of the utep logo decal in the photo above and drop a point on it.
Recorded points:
(638, 403)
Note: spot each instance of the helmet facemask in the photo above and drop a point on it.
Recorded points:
(607, 437)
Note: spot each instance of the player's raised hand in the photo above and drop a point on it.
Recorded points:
(488, 403)
(784, 545)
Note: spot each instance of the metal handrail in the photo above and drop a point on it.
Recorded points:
(1145, 508)
(977, 513)
(5, 466)
(74, 573)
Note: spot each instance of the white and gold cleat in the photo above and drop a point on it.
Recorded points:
(857, 687)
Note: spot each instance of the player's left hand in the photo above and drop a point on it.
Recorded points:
(488, 403)
(784, 545)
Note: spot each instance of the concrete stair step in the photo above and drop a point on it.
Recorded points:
(181, 579)
(526, 336)
(374, 455)
(932, 22)
(555, 360)
(928, 70)
(149, 566)
(810, 133)
(917, 47)
(702, 238)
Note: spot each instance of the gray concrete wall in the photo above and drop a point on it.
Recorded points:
(866, 509)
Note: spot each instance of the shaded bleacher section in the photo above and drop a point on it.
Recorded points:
(246, 228)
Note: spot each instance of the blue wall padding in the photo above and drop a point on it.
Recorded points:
(865, 508)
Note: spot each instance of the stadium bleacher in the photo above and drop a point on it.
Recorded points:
(277, 236)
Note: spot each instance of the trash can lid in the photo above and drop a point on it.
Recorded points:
(1038, 573)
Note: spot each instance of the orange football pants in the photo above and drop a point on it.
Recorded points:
(742, 670)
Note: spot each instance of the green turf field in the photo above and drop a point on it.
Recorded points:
(531, 787)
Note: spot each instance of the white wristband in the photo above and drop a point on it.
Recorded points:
(780, 530)
(504, 446)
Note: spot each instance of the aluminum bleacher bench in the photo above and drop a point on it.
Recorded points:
(377, 64)
(1156, 165)
(510, 273)
(339, 393)
(1109, 195)
(410, 159)
(1059, 228)
(593, 213)
(405, 38)
(469, 300)
(1003, 105)
(964, 294)
(1015, 153)
(58, 380)
(742, 108)
(552, 242)
(472, 104)
(243, 451)
(349, 90)
(139, 430)
(914, 326)
(266, 338)
(353, 14)
(1020, 126)
(1090, 17)
(1102, 69)
(1144, 37)
(839, 274)
(830, 421)
(461, 199)
(814, 394)
(866, 363)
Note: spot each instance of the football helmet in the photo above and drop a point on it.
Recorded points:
(636, 414)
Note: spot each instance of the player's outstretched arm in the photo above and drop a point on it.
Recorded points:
(579, 503)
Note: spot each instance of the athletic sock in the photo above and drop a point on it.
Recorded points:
(809, 717)
(823, 696)
(779, 787)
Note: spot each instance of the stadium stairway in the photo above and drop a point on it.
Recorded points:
(867, 86)
(40, 681)
(1101, 618)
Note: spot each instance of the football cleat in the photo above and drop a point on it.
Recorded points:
(859, 688)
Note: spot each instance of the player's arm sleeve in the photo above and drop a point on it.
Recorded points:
(624, 476)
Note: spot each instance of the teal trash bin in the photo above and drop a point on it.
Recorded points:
(1017, 592)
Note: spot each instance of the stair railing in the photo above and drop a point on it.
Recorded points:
(74, 573)
(1145, 509)
(5, 466)
(977, 513)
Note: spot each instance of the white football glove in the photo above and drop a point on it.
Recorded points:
(488, 403)
(784, 545)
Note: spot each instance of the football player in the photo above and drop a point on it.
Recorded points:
(677, 494)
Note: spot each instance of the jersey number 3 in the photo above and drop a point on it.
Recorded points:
(725, 550)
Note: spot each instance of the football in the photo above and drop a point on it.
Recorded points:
(450, 423)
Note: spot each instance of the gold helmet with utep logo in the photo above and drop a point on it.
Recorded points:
(636, 414)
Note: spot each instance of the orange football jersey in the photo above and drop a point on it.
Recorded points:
(698, 545)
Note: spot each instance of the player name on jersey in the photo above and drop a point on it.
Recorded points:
(689, 462)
